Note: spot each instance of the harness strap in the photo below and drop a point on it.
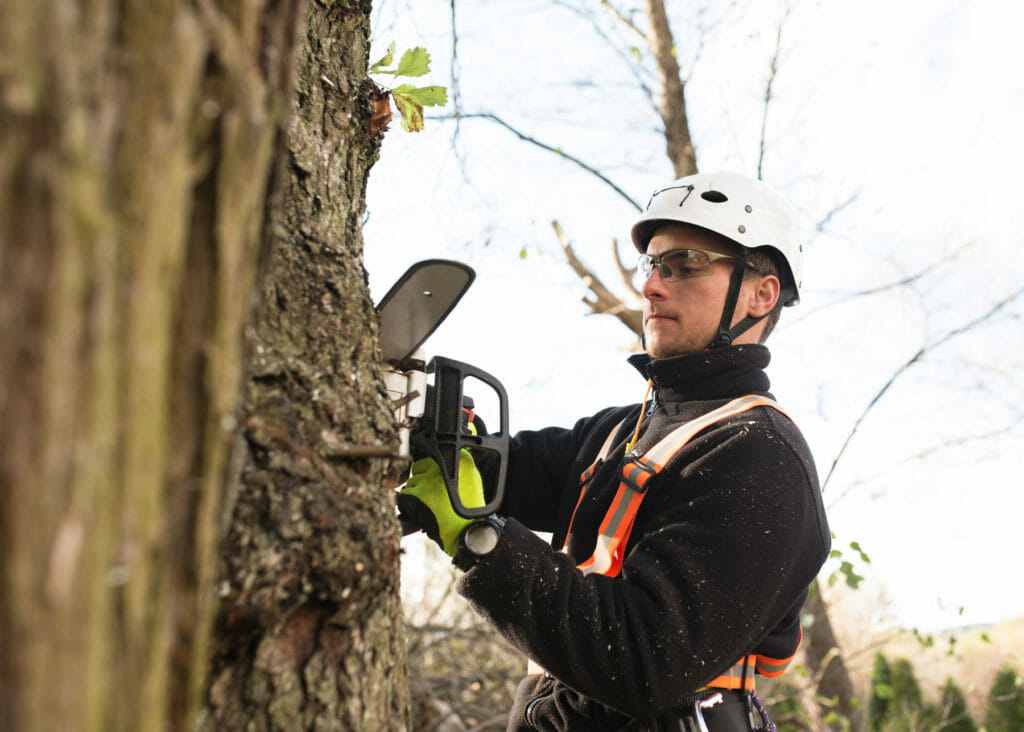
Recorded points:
(741, 674)
(588, 474)
(614, 530)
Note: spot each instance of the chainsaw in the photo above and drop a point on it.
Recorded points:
(430, 399)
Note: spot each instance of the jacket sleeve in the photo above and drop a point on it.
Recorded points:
(543, 463)
(723, 548)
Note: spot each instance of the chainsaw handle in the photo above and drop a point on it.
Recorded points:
(442, 436)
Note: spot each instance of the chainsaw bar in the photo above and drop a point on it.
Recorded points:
(418, 303)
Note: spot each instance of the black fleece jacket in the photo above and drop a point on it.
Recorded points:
(724, 546)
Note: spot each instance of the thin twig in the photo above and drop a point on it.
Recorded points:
(921, 352)
(946, 445)
(895, 285)
(623, 19)
(453, 71)
(550, 148)
(627, 57)
(773, 71)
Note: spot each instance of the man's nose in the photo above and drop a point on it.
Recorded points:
(653, 287)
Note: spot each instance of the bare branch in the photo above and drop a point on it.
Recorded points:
(606, 303)
(557, 151)
(967, 327)
(623, 19)
(824, 220)
(895, 285)
(628, 59)
(678, 143)
(628, 274)
(454, 72)
(417, 638)
(773, 70)
(942, 447)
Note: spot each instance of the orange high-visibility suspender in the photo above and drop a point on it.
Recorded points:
(613, 533)
(741, 674)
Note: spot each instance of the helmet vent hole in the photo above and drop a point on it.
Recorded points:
(714, 196)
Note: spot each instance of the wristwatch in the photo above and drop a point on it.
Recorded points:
(481, 536)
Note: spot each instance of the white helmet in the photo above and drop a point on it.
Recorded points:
(741, 209)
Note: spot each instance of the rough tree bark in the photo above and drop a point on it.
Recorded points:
(146, 182)
(310, 630)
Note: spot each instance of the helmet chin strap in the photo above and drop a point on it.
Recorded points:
(726, 335)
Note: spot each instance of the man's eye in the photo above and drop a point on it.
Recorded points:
(683, 265)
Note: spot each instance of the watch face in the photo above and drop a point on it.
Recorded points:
(481, 537)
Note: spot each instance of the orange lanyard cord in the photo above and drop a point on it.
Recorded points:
(640, 419)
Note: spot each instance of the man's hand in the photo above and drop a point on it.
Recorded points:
(424, 500)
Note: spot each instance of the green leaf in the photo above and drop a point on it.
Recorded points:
(882, 691)
(853, 579)
(425, 96)
(835, 553)
(411, 112)
(377, 68)
(855, 545)
(927, 641)
(415, 62)
(522, 253)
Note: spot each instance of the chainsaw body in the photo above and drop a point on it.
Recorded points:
(434, 401)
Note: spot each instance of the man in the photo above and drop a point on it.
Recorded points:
(689, 526)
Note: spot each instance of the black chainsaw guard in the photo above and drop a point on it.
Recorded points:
(442, 431)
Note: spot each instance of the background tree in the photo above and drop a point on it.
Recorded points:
(880, 696)
(1005, 709)
(950, 714)
(189, 371)
(906, 704)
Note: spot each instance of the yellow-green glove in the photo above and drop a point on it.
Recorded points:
(424, 500)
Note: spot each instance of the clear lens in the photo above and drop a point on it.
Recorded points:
(675, 265)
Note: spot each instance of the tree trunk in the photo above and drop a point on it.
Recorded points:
(310, 629)
(148, 192)
(672, 106)
(834, 690)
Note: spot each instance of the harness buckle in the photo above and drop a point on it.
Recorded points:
(700, 705)
(636, 473)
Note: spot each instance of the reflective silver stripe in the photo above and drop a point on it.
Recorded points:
(602, 454)
(669, 445)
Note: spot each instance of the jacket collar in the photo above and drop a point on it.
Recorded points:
(720, 373)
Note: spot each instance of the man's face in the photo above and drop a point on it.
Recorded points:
(682, 317)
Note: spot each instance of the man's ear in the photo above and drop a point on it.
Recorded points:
(764, 294)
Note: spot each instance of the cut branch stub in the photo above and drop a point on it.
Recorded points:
(628, 274)
(605, 303)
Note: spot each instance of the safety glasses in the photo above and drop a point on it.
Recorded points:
(680, 264)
